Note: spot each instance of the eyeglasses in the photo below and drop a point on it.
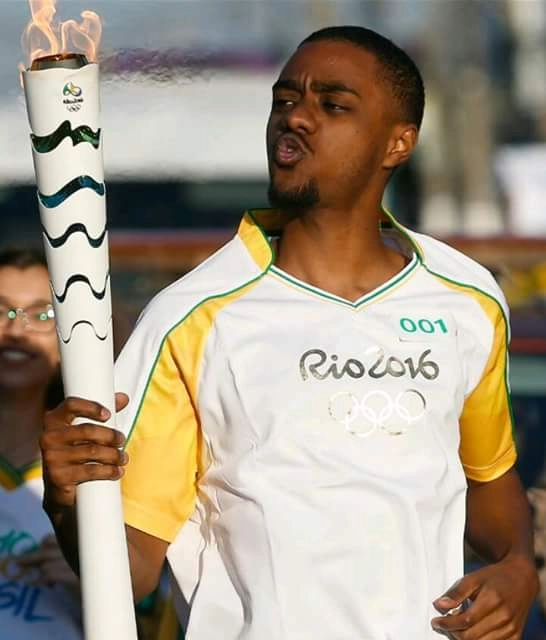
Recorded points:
(40, 318)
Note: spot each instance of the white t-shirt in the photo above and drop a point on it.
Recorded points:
(306, 456)
(29, 611)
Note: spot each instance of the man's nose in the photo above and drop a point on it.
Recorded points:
(14, 327)
(302, 117)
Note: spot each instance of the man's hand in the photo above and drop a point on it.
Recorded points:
(501, 595)
(68, 450)
(76, 453)
(50, 565)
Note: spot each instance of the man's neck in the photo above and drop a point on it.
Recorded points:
(336, 251)
(21, 419)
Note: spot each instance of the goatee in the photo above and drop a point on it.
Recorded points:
(301, 198)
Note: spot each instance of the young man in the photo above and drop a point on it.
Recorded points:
(312, 407)
(39, 594)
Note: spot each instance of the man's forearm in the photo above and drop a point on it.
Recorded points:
(144, 576)
(499, 522)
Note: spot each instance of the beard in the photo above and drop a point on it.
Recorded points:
(301, 198)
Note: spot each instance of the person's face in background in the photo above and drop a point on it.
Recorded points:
(28, 359)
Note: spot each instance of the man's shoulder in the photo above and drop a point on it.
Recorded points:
(227, 270)
(456, 268)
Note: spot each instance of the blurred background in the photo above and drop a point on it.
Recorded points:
(186, 94)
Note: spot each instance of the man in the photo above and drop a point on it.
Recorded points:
(308, 407)
(39, 594)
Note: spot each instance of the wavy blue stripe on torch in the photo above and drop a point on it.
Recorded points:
(75, 228)
(79, 277)
(99, 337)
(81, 182)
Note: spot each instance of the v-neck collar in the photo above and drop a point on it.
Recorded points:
(259, 225)
(383, 288)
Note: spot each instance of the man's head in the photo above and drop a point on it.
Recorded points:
(347, 108)
(29, 355)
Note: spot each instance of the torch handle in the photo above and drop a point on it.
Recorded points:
(63, 109)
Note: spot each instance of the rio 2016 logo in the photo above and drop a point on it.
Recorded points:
(71, 89)
(72, 97)
(315, 363)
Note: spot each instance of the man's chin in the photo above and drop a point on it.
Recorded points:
(299, 197)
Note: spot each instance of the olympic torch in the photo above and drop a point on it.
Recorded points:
(62, 97)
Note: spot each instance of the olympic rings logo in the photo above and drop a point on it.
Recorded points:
(377, 410)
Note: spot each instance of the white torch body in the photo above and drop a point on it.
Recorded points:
(64, 108)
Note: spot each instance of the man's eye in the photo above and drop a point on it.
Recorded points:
(42, 315)
(280, 103)
(333, 106)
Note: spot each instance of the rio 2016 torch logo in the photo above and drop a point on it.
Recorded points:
(72, 97)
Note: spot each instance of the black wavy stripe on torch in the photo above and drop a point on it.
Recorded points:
(79, 277)
(81, 134)
(76, 227)
(99, 337)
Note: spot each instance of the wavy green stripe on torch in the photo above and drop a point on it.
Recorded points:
(44, 144)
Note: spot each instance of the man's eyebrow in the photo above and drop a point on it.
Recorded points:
(318, 87)
(291, 85)
(35, 303)
(333, 87)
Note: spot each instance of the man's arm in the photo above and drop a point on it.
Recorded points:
(499, 528)
(67, 451)
(499, 521)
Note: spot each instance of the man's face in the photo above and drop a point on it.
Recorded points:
(329, 127)
(28, 359)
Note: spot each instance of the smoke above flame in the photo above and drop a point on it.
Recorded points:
(44, 35)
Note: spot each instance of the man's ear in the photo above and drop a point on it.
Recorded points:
(401, 145)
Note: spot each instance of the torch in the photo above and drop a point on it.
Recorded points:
(62, 97)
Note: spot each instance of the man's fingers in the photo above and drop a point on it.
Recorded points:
(122, 400)
(484, 607)
(66, 477)
(92, 452)
(83, 433)
(496, 626)
(83, 453)
(459, 592)
(75, 453)
(73, 408)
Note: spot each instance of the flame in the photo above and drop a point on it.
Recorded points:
(44, 36)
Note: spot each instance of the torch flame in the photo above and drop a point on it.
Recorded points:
(44, 36)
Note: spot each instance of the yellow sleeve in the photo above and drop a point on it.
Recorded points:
(159, 485)
(164, 438)
(487, 448)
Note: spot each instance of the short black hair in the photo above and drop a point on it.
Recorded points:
(399, 70)
(22, 257)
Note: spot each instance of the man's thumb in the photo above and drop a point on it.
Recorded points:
(455, 596)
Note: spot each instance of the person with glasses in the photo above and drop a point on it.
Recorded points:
(39, 594)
